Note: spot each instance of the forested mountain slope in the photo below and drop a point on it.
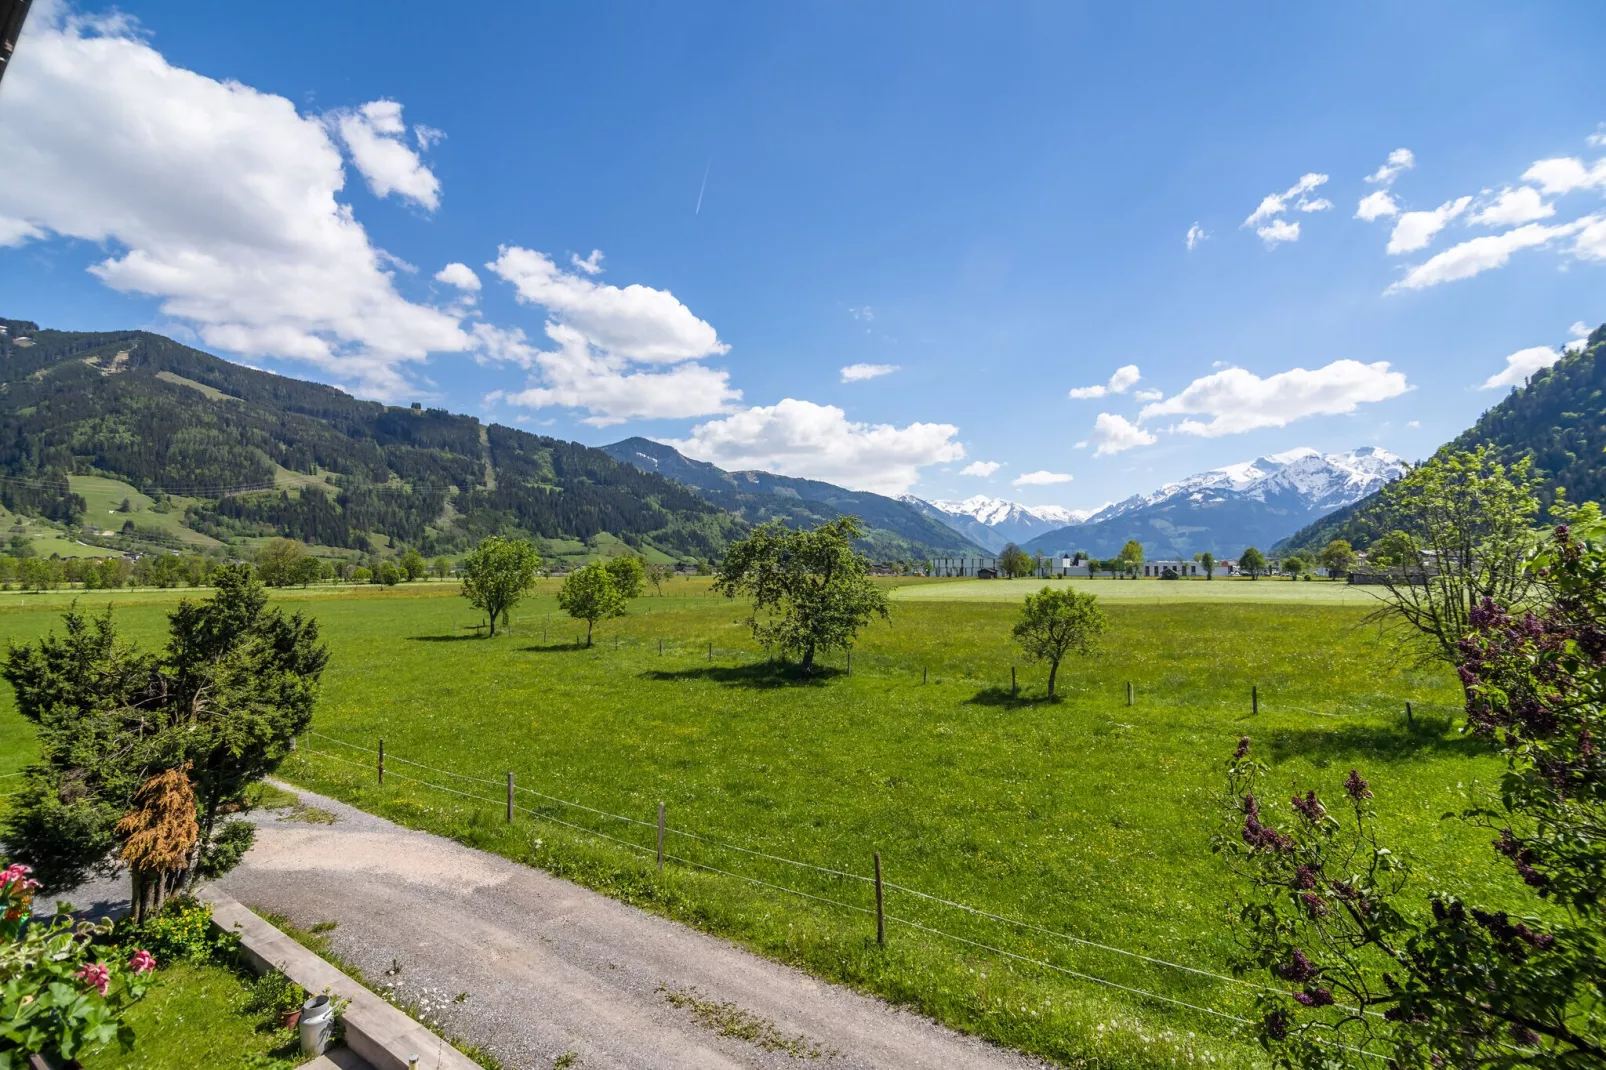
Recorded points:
(894, 529)
(1558, 419)
(247, 453)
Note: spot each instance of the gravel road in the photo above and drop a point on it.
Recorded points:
(537, 970)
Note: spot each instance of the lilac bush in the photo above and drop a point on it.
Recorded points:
(1355, 971)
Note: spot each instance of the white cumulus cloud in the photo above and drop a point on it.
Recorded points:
(459, 275)
(1379, 204)
(1564, 174)
(634, 322)
(1042, 478)
(1124, 378)
(1511, 207)
(1399, 161)
(1520, 365)
(216, 198)
(1415, 230)
(1482, 254)
(1236, 400)
(980, 468)
(1195, 235)
(1278, 231)
(603, 334)
(376, 137)
(1113, 433)
(800, 438)
(854, 373)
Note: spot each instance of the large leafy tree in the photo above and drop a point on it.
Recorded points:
(234, 684)
(592, 594)
(1131, 557)
(497, 573)
(629, 575)
(1354, 963)
(1014, 562)
(1470, 519)
(1056, 622)
(810, 590)
(1253, 562)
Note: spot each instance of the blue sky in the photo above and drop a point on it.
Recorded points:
(993, 200)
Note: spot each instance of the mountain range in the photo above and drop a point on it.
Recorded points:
(895, 529)
(994, 523)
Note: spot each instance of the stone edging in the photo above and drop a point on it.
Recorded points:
(375, 1030)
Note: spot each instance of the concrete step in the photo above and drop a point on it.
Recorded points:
(338, 1059)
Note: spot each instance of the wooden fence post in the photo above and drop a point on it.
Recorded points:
(880, 908)
(850, 663)
(660, 837)
(710, 650)
(381, 759)
(660, 648)
(1408, 719)
(923, 674)
(1254, 699)
(510, 798)
(1129, 692)
(1014, 688)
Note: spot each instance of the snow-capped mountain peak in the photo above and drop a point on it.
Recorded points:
(1322, 480)
(995, 522)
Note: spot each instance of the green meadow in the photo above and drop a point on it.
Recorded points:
(1088, 818)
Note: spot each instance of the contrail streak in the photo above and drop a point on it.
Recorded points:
(703, 187)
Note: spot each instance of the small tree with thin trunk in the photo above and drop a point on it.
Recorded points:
(1207, 561)
(591, 594)
(1013, 561)
(497, 573)
(1131, 557)
(811, 591)
(1252, 562)
(158, 835)
(1056, 622)
(656, 575)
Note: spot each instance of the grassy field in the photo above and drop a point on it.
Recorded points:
(1086, 817)
(1314, 592)
(103, 496)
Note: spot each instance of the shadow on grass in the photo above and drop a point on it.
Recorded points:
(761, 674)
(1391, 743)
(566, 645)
(446, 638)
(1003, 696)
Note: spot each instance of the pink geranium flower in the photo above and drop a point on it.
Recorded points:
(96, 976)
(142, 962)
(18, 873)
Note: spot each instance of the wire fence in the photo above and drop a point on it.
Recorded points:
(379, 762)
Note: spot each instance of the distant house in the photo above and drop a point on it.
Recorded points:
(986, 573)
(1172, 570)
(965, 566)
(1062, 565)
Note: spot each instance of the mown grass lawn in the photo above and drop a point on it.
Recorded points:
(1086, 817)
(192, 1016)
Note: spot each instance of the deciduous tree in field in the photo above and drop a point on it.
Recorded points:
(591, 594)
(308, 570)
(810, 590)
(497, 573)
(1056, 622)
(1014, 562)
(656, 575)
(629, 575)
(1338, 558)
(1253, 562)
(442, 568)
(1207, 561)
(1131, 557)
(1470, 517)
(412, 565)
(1293, 565)
(235, 683)
(277, 562)
(1353, 962)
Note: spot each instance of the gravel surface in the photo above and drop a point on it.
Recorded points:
(535, 969)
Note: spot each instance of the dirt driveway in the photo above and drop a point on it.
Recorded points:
(541, 972)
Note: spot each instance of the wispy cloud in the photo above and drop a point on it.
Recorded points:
(855, 373)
